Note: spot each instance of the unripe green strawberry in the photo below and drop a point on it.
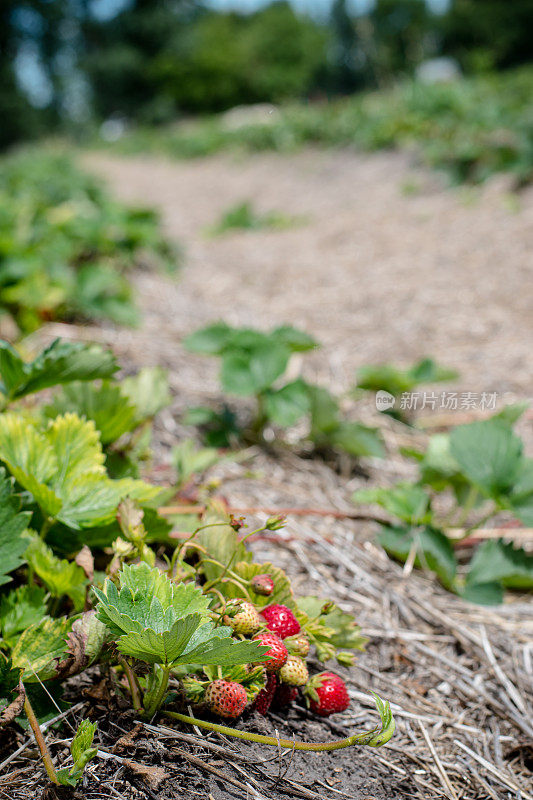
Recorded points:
(226, 698)
(294, 672)
(327, 694)
(277, 651)
(262, 584)
(298, 645)
(243, 617)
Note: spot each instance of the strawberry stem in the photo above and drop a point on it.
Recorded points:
(41, 744)
(375, 738)
(157, 699)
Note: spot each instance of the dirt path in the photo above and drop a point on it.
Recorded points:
(386, 266)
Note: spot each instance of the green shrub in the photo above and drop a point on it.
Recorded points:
(66, 247)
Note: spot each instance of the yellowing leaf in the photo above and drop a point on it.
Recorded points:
(40, 648)
(63, 468)
(77, 448)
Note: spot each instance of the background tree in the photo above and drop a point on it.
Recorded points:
(489, 34)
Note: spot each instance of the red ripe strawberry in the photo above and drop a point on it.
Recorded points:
(264, 698)
(262, 584)
(243, 617)
(327, 694)
(294, 672)
(277, 650)
(284, 695)
(226, 698)
(280, 620)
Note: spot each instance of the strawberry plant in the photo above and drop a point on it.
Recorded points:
(481, 465)
(395, 381)
(82, 752)
(253, 364)
(105, 424)
(176, 622)
(242, 216)
(66, 247)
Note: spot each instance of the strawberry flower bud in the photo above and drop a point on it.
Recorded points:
(275, 523)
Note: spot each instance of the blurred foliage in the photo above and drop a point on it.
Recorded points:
(471, 128)
(152, 62)
(488, 34)
(65, 246)
(155, 60)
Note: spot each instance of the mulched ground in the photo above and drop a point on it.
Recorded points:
(376, 275)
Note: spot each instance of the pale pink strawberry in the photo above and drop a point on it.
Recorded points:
(298, 645)
(294, 672)
(243, 617)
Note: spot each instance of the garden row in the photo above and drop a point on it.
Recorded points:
(471, 128)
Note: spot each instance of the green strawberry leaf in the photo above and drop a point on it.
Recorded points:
(189, 460)
(19, 609)
(358, 440)
(216, 646)
(31, 460)
(287, 405)
(512, 413)
(345, 632)
(407, 501)
(11, 691)
(221, 544)
(112, 413)
(483, 594)
(13, 523)
(147, 391)
(501, 562)
(324, 412)
(395, 380)
(160, 622)
(298, 341)
(61, 577)
(63, 468)
(521, 497)
(82, 741)
(61, 362)
(433, 549)
(160, 647)
(489, 454)
(209, 341)
(82, 752)
(252, 370)
(11, 369)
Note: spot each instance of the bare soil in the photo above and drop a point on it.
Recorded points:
(389, 266)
